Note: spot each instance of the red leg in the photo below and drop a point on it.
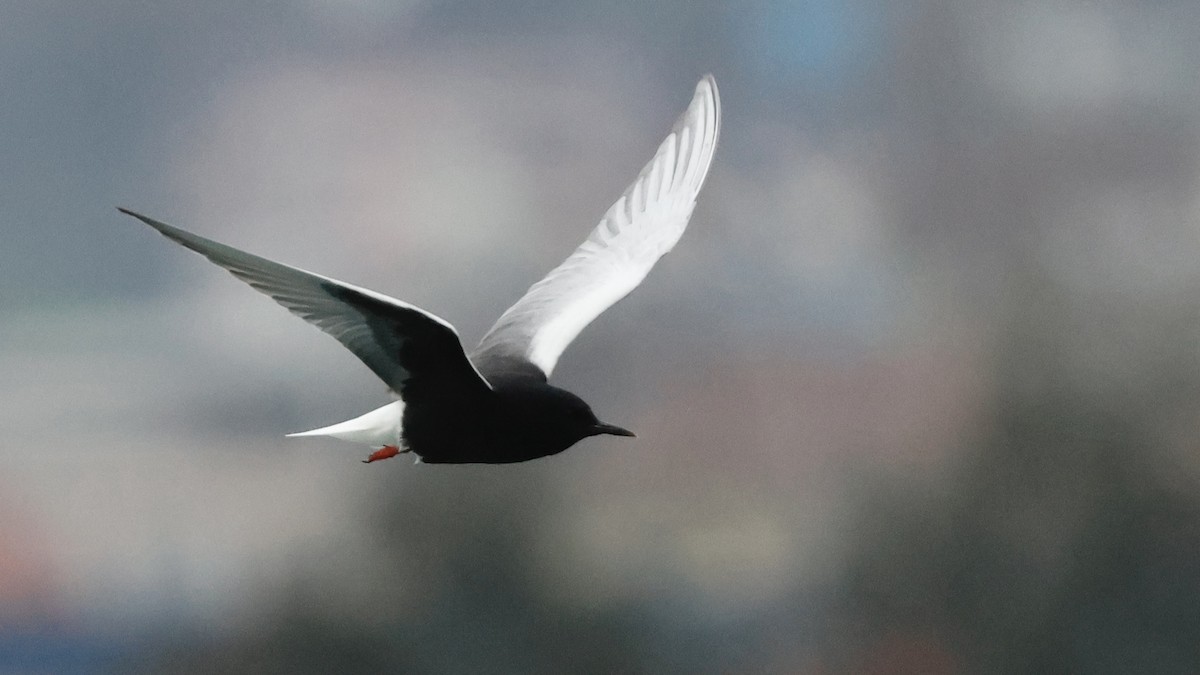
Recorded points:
(385, 452)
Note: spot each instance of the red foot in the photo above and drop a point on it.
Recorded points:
(385, 452)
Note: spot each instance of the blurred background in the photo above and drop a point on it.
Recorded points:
(919, 390)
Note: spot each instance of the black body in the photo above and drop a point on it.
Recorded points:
(519, 419)
(451, 415)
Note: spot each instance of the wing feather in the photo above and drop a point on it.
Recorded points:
(396, 340)
(643, 224)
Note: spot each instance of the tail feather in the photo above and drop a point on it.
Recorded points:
(377, 428)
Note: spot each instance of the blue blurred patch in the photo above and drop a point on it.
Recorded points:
(54, 651)
(822, 43)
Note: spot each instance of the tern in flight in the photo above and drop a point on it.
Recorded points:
(494, 405)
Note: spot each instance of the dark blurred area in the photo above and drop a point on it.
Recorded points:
(918, 392)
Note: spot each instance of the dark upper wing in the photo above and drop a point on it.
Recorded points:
(644, 224)
(396, 340)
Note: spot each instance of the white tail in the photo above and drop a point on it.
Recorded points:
(377, 428)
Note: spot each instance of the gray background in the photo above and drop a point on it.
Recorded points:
(918, 389)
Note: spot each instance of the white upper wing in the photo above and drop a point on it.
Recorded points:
(397, 341)
(644, 224)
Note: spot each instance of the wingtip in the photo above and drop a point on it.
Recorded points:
(167, 230)
(708, 97)
(135, 214)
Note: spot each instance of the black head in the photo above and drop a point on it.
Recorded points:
(544, 420)
(577, 417)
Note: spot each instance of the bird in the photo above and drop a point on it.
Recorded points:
(494, 405)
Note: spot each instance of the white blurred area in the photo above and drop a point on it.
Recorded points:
(889, 215)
